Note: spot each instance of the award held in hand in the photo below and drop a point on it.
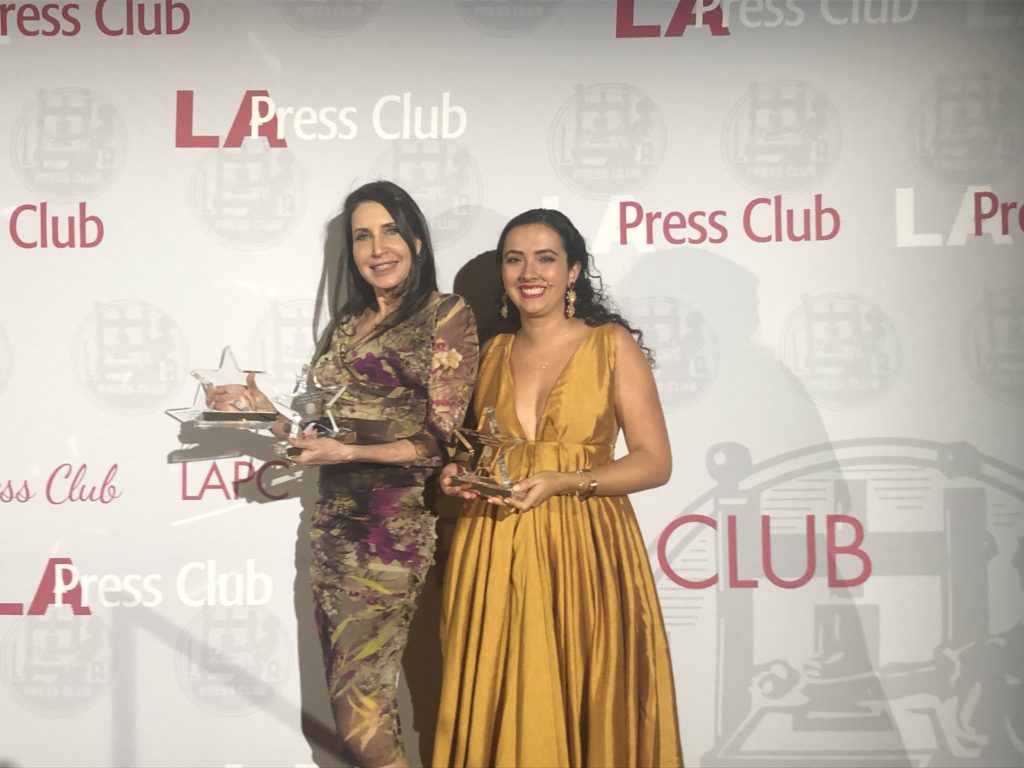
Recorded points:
(309, 411)
(202, 416)
(487, 449)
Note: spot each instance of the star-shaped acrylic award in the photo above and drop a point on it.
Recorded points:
(204, 418)
(310, 412)
(487, 448)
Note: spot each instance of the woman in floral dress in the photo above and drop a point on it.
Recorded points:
(406, 356)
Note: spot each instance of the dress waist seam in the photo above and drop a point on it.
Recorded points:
(574, 445)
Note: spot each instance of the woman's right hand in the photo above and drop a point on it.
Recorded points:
(450, 487)
(238, 397)
(281, 428)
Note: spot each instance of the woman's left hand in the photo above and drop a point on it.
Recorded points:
(450, 488)
(320, 451)
(238, 397)
(538, 488)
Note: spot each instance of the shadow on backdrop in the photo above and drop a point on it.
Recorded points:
(479, 283)
(780, 698)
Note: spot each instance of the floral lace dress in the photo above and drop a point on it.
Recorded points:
(372, 538)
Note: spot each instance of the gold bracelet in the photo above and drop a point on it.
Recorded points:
(584, 492)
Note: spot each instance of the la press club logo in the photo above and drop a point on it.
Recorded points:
(59, 657)
(607, 139)
(250, 196)
(685, 347)
(782, 135)
(328, 18)
(444, 179)
(966, 134)
(281, 343)
(993, 345)
(507, 18)
(841, 351)
(719, 17)
(129, 357)
(966, 130)
(234, 660)
(252, 192)
(58, 663)
(69, 144)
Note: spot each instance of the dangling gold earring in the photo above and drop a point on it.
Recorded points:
(570, 302)
(504, 307)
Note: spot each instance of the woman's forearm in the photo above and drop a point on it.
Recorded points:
(397, 452)
(634, 472)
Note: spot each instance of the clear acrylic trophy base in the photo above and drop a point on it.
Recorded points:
(486, 486)
(203, 419)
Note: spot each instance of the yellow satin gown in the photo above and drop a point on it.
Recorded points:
(554, 646)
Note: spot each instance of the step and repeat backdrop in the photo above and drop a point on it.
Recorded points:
(814, 210)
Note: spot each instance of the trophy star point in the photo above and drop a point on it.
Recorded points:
(228, 370)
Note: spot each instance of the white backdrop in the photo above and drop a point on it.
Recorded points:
(813, 209)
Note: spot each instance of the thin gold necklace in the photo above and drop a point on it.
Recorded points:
(545, 363)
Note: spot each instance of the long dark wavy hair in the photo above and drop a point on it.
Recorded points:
(347, 294)
(592, 304)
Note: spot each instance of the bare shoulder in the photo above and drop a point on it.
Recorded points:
(627, 351)
(623, 336)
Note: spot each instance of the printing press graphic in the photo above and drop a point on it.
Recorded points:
(853, 681)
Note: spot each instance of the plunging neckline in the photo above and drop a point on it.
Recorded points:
(554, 385)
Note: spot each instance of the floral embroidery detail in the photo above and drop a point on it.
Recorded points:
(385, 502)
(445, 358)
(372, 368)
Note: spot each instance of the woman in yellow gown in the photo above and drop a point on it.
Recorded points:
(554, 646)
